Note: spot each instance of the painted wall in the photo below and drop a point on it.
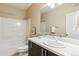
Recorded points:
(35, 16)
(12, 12)
(57, 17)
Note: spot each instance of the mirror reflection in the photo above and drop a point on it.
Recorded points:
(54, 19)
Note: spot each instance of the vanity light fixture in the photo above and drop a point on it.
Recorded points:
(52, 5)
(60, 3)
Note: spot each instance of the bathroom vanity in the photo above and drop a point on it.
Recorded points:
(46, 46)
(36, 50)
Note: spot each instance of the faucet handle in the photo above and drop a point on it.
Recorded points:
(66, 35)
(63, 35)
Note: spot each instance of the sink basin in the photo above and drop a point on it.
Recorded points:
(53, 43)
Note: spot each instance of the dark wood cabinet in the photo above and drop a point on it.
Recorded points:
(50, 53)
(35, 50)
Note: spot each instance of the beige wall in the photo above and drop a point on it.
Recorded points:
(57, 17)
(35, 16)
(13, 12)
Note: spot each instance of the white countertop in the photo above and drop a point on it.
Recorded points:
(70, 49)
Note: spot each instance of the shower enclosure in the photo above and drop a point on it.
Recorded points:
(13, 33)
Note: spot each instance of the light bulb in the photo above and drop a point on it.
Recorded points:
(52, 5)
(60, 3)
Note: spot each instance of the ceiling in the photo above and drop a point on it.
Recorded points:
(48, 8)
(23, 6)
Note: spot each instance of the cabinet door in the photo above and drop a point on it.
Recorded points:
(34, 50)
(48, 53)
